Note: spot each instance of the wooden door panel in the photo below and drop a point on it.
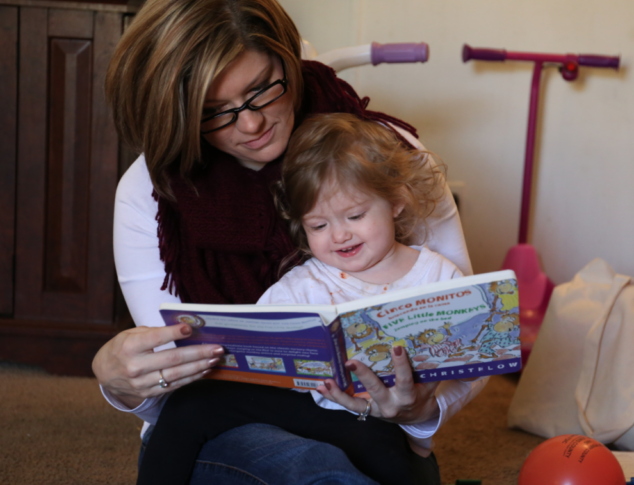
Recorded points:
(67, 184)
(8, 134)
(68, 198)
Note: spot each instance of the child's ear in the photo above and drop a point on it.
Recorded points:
(399, 205)
(397, 209)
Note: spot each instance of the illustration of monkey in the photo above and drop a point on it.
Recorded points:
(379, 352)
(358, 326)
(506, 292)
(436, 341)
(359, 331)
(497, 334)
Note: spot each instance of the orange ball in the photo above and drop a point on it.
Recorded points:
(571, 459)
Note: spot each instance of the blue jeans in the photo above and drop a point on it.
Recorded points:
(260, 454)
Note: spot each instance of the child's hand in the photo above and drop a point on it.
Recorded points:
(404, 403)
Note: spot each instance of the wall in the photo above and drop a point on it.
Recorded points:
(474, 115)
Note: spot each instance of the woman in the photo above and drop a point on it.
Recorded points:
(210, 91)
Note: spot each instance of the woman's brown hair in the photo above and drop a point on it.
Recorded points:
(168, 57)
(351, 152)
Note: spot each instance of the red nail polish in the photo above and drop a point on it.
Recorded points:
(328, 386)
(398, 350)
(351, 366)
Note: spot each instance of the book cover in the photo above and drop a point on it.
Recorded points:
(461, 328)
(291, 348)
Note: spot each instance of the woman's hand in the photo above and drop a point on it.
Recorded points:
(404, 403)
(128, 367)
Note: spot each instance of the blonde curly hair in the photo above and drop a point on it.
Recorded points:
(348, 151)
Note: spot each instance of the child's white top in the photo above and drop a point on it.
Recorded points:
(317, 283)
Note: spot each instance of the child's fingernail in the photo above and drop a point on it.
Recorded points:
(205, 372)
(218, 352)
(398, 350)
(351, 366)
(186, 330)
(213, 362)
(328, 386)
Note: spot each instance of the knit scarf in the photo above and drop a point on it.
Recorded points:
(223, 241)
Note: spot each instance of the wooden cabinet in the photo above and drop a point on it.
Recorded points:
(59, 165)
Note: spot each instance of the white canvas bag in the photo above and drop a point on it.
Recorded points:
(580, 375)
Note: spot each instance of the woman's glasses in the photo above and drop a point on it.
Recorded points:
(262, 99)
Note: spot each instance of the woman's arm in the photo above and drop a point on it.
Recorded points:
(451, 396)
(415, 406)
(420, 409)
(127, 366)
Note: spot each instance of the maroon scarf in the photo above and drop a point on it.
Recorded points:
(225, 244)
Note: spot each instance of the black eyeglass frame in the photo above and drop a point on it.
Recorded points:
(246, 105)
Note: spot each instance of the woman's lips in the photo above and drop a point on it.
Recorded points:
(260, 142)
(350, 251)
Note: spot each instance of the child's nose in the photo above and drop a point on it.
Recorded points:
(340, 234)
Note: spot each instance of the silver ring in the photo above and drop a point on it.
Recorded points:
(162, 382)
(368, 408)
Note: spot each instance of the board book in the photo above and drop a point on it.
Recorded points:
(461, 328)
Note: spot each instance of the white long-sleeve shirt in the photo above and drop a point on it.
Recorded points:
(141, 272)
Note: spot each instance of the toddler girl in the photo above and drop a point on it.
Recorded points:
(354, 197)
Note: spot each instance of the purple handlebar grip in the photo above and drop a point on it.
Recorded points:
(598, 61)
(397, 53)
(482, 54)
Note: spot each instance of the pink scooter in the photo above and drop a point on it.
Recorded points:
(535, 288)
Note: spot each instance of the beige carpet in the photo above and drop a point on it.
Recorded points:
(476, 443)
(59, 430)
